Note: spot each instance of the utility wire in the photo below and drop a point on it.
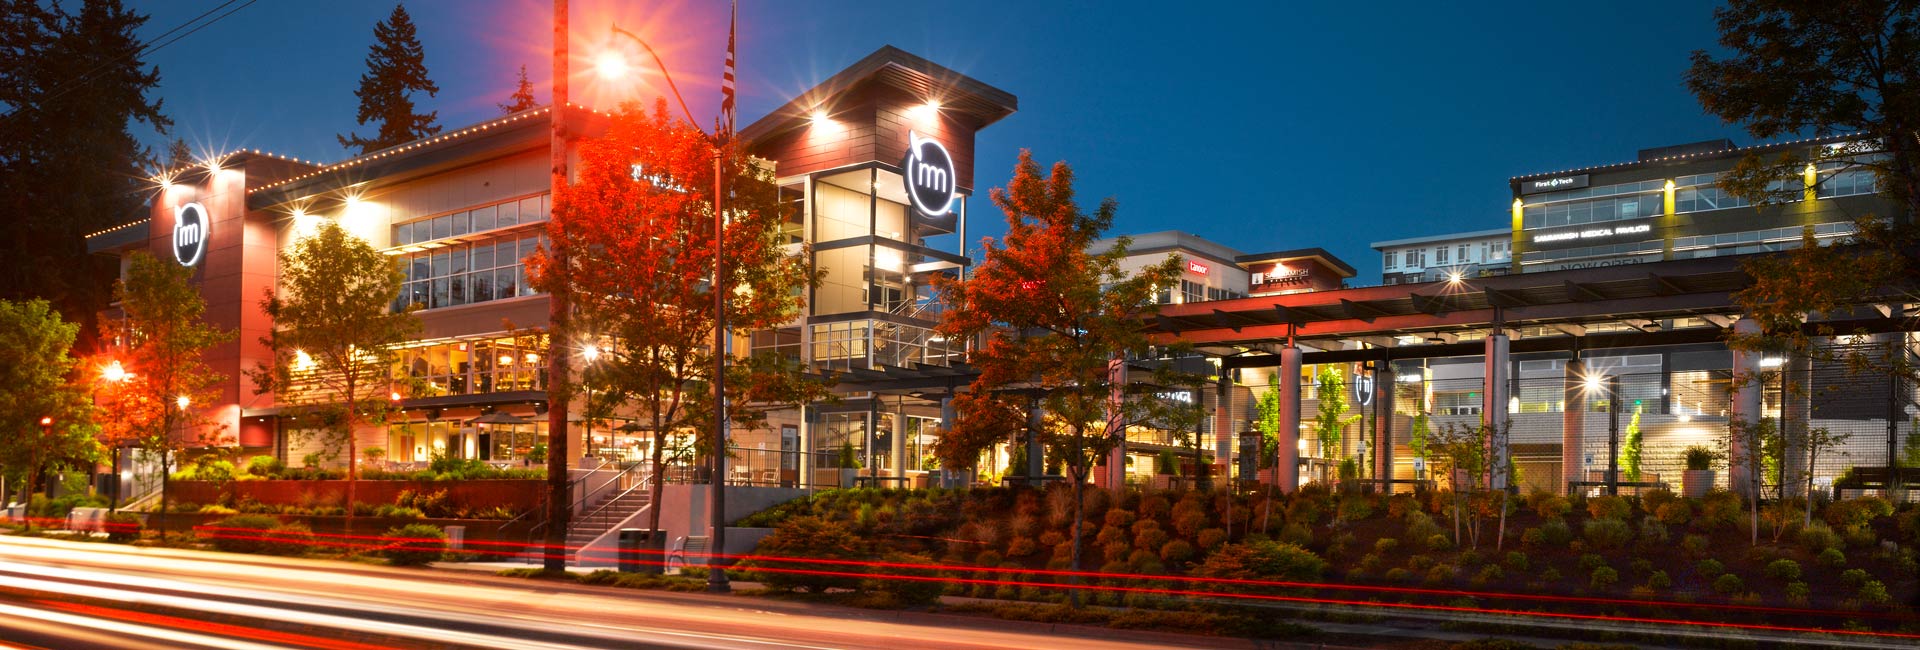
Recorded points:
(159, 42)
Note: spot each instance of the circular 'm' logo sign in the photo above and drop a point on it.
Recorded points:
(190, 234)
(929, 175)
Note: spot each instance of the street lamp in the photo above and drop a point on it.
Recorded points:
(591, 353)
(114, 373)
(716, 499)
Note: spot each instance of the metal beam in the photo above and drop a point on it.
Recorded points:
(1582, 293)
(1662, 286)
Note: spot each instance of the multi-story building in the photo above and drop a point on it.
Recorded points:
(1214, 271)
(458, 212)
(1440, 257)
(1664, 205)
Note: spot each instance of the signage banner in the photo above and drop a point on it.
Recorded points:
(190, 234)
(1591, 234)
(1196, 267)
(932, 183)
(1553, 184)
(1594, 264)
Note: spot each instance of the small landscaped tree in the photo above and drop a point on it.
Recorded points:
(1056, 316)
(160, 338)
(1330, 421)
(640, 239)
(44, 415)
(335, 338)
(1745, 445)
(1630, 447)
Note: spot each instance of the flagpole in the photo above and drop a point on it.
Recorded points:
(716, 571)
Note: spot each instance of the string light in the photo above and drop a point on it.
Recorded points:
(1788, 143)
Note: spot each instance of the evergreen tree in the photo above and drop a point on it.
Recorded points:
(178, 154)
(522, 97)
(71, 85)
(396, 68)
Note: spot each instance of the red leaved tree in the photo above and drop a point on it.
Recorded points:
(1054, 315)
(640, 242)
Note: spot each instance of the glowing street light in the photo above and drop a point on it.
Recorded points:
(114, 372)
(612, 65)
(591, 353)
(183, 401)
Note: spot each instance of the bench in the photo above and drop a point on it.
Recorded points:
(87, 520)
(1873, 478)
(690, 550)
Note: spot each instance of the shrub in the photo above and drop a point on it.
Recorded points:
(1022, 547)
(1728, 583)
(264, 466)
(217, 509)
(293, 538)
(1489, 573)
(1695, 545)
(1797, 593)
(1784, 570)
(1854, 577)
(1607, 533)
(1355, 508)
(1674, 513)
(1439, 542)
(1296, 533)
(1419, 562)
(1176, 552)
(1385, 545)
(1419, 527)
(1440, 573)
(1603, 577)
(1548, 505)
(1652, 531)
(1052, 538)
(123, 527)
(1659, 580)
(1818, 537)
(1261, 559)
(815, 537)
(1150, 539)
(242, 533)
(906, 591)
(1700, 458)
(1211, 538)
(1549, 574)
(1303, 509)
(1874, 592)
(1709, 568)
(1120, 518)
(1400, 504)
(1831, 558)
(1398, 575)
(1516, 561)
(1609, 507)
(1651, 500)
(1551, 533)
(1590, 561)
(415, 545)
(1719, 509)
(1641, 565)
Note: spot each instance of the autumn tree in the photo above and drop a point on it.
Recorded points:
(74, 84)
(1054, 315)
(45, 420)
(159, 339)
(639, 229)
(396, 69)
(335, 337)
(522, 97)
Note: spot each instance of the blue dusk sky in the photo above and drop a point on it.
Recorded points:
(1263, 126)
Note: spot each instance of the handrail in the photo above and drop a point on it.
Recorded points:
(643, 483)
(545, 498)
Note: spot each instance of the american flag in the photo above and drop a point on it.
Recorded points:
(726, 77)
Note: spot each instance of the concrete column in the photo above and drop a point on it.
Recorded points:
(805, 447)
(1383, 424)
(946, 423)
(1796, 407)
(1036, 465)
(1286, 468)
(899, 447)
(1493, 406)
(1573, 421)
(1225, 433)
(1745, 409)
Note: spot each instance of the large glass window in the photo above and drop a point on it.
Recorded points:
(489, 269)
(1837, 179)
(481, 219)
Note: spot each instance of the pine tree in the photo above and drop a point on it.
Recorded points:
(522, 97)
(72, 84)
(178, 154)
(396, 68)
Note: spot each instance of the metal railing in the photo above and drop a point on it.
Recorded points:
(628, 481)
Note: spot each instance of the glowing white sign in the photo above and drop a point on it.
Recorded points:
(1592, 233)
(931, 180)
(190, 234)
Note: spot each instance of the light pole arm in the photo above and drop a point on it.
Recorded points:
(662, 65)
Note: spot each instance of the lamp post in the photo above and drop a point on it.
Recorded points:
(591, 353)
(113, 374)
(716, 498)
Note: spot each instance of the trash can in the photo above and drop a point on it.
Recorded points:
(456, 537)
(642, 552)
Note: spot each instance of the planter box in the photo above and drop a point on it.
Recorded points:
(1696, 483)
(516, 495)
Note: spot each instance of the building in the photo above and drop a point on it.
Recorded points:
(1214, 271)
(458, 212)
(1428, 259)
(1664, 205)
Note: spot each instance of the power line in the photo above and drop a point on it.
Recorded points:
(159, 42)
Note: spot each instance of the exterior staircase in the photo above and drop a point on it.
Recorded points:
(610, 510)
